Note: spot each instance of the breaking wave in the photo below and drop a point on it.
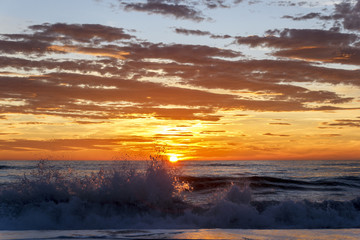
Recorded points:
(124, 197)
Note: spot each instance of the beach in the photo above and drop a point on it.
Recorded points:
(327, 234)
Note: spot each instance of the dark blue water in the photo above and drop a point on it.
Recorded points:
(188, 194)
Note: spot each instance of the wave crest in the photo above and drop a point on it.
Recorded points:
(125, 197)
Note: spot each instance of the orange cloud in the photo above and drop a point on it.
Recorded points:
(88, 51)
(223, 99)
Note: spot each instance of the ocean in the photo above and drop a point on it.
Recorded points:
(158, 199)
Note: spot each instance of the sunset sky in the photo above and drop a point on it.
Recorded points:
(206, 79)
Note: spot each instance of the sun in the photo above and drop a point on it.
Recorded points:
(173, 158)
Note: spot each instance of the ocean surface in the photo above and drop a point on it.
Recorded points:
(155, 194)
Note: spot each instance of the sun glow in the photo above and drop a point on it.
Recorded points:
(173, 158)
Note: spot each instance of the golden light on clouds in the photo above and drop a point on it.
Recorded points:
(89, 51)
(91, 91)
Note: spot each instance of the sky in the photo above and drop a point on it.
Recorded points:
(199, 79)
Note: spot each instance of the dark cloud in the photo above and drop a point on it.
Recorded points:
(189, 10)
(39, 43)
(204, 114)
(45, 36)
(85, 33)
(270, 80)
(173, 135)
(280, 123)
(218, 3)
(309, 16)
(324, 54)
(90, 122)
(295, 38)
(163, 7)
(24, 47)
(276, 135)
(347, 12)
(343, 123)
(38, 123)
(115, 84)
(284, 3)
(200, 33)
(52, 95)
(309, 45)
(67, 33)
(211, 132)
(192, 32)
(178, 52)
(350, 13)
(83, 66)
(330, 135)
(81, 96)
(68, 144)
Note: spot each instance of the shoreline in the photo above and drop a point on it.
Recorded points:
(348, 234)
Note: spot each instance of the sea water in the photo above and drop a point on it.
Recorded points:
(199, 195)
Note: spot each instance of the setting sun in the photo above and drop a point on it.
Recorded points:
(173, 159)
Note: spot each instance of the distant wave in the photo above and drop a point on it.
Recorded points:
(266, 182)
(5, 167)
(126, 198)
(16, 167)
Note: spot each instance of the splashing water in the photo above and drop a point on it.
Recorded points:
(48, 198)
(124, 197)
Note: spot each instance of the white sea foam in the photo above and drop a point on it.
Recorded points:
(125, 198)
(304, 234)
